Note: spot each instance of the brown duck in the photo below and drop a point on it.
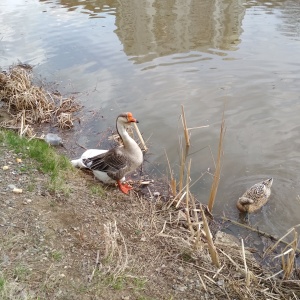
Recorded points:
(255, 197)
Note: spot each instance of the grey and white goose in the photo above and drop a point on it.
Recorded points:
(112, 165)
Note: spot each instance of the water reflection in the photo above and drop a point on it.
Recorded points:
(150, 28)
(154, 28)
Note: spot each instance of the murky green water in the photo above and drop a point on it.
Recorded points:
(149, 57)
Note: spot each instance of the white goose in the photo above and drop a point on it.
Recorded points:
(112, 165)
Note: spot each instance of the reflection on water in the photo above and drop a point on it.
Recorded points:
(151, 56)
(149, 29)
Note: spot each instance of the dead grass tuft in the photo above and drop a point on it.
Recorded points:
(28, 104)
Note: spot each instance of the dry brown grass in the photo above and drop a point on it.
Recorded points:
(28, 104)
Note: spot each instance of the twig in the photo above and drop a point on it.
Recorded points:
(202, 282)
(262, 233)
(80, 146)
(96, 265)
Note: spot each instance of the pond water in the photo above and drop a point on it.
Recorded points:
(150, 56)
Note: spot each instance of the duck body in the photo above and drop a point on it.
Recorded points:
(112, 165)
(255, 197)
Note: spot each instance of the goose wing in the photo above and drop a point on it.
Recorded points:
(113, 162)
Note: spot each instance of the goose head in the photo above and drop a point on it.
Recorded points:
(126, 119)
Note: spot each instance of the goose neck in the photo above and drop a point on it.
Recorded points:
(121, 129)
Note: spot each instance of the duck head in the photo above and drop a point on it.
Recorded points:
(268, 182)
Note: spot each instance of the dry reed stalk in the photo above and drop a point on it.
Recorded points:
(247, 273)
(140, 137)
(185, 129)
(281, 240)
(183, 156)
(202, 282)
(187, 198)
(211, 247)
(182, 195)
(288, 256)
(216, 180)
(173, 180)
(196, 222)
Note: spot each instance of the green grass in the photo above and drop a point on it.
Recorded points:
(21, 273)
(49, 161)
(97, 190)
(139, 283)
(56, 255)
(2, 284)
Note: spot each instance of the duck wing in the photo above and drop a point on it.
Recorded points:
(245, 200)
(255, 192)
(113, 162)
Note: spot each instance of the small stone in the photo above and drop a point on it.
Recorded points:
(180, 288)
(5, 168)
(220, 282)
(12, 186)
(18, 160)
(53, 139)
(156, 194)
(143, 239)
(17, 191)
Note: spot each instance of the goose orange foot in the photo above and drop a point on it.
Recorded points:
(125, 188)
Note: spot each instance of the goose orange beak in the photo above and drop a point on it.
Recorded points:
(130, 118)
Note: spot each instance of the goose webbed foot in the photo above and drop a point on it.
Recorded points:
(124, 188)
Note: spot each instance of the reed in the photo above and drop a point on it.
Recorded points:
(185, 129)
(211, 247)
(187, 199)
(247, 272)
(145, 148)
(172, 179)
(216, 180)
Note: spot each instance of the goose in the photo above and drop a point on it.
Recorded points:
(255, 197)
(110, 166)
